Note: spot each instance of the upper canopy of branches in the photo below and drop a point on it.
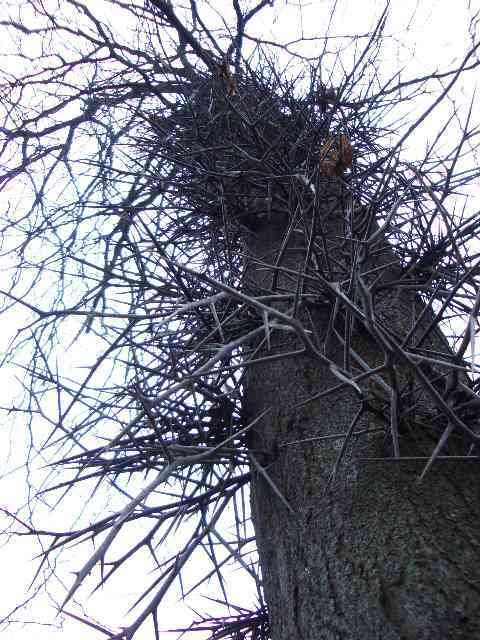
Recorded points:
(141, 153)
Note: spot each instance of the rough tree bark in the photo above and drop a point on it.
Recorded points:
(375, 553)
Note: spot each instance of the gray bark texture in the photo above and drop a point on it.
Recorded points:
(374, 554)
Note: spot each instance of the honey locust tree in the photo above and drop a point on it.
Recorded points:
(275, 302)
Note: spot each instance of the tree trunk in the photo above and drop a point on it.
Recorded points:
(375, 554)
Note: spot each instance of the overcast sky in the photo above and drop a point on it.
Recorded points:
(423, 35)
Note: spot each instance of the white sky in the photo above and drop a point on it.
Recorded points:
(435, 37)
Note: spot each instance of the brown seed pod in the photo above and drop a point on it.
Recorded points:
(329, 158)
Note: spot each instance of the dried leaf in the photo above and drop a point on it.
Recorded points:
(346, 151)
(231, 87)
(329, 168)
(224, 72)
(327, 148)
